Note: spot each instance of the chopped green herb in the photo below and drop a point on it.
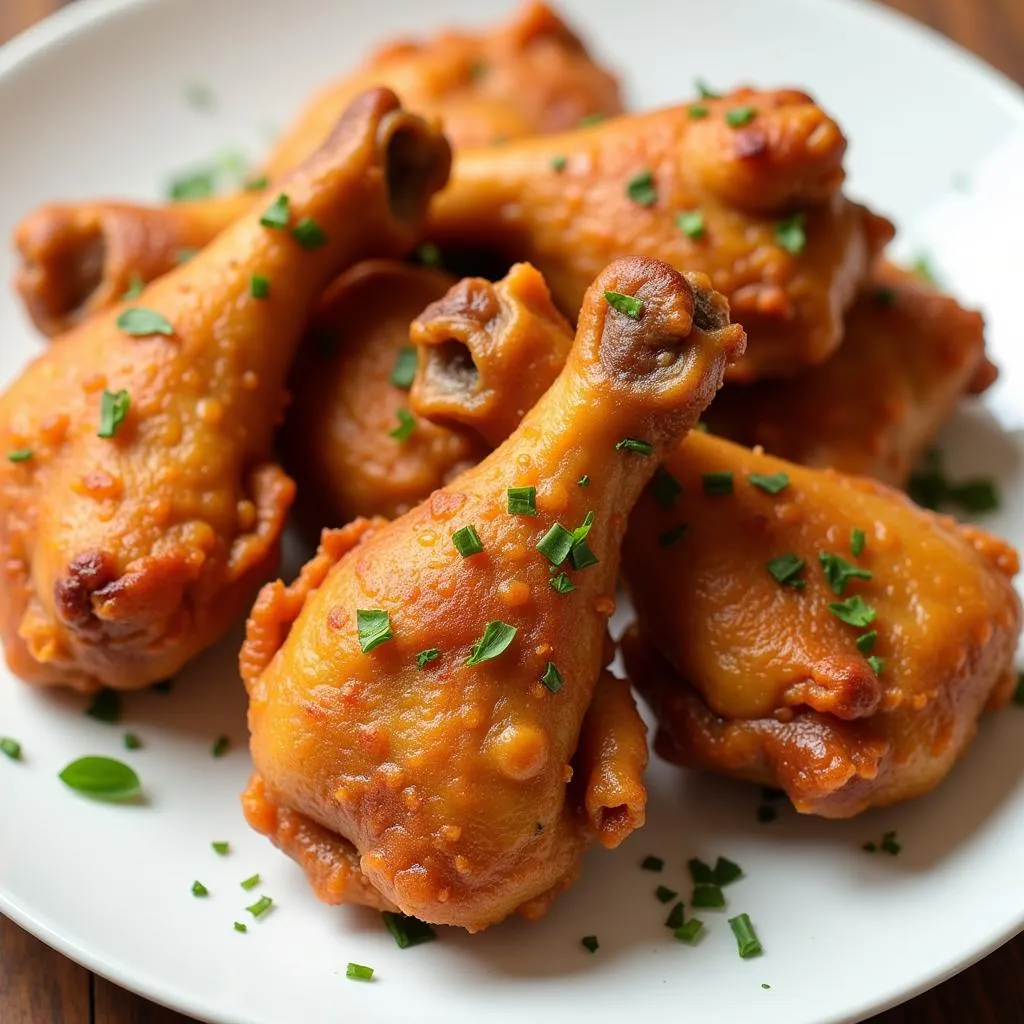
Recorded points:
(105, 706)
(495, 640)
(261, 906)
(890, 844)
(141, 323)
(675, 917)
(373, 627)
(765, 985)
(406, 425)
(670, 537)
(701, 873)
(976, 495)
(583, 530)
(522, 501)
(467, 541)
(786, 569)
(114, 406)
(132, 742)
(581, 556)
(102, 778)
(866, 641)
(562, 584)
(240, 926)
(309, 234)
(870, 847)
(136, 286)
(424, 658)
(259, 286)
(884, 296)
(726, 871)
(691, 223)
(858, 538)
(556, 544)
(838, 571)
(10, 748)
(407, 931)
(930, 488)
(626, 304)
(276, 214)
(766, 813)
(257, 184)
(584, 481)
(688, 932)
(221, 848)
(199, 184)
(708, 897)
(876, 664)
(698, 111)
(558, 163)
(590, 943)
(664, 894)
(591, 119)
(666, 488)
(717, 483)
(790, 233)
(737, 117)
(772, 484)
(652, 863)
(184, 255)
(198, 889)
(632, 444)
(747, 942)
(704, 91)
(251, 882)
(922, 266)
(640, 188)
(359, 971)
(428, 255)
(404, 372)
(220, 746)
(854, 611)
(552, 678)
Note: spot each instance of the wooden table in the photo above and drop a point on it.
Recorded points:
(39, 986)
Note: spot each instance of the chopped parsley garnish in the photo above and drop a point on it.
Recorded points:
(866, 641)
(790, 233)
(373, 627)
(259, 286)
(131, 741)
(581, 556)
(590, 943)
(633, 444)
(688, 932)
(220, 746)
(666, 488)
(664, 894)
(257, 184)
(691, 223)
(428, 255)
(404, 372)
(701, 873)
(786, 569)
(261, 906)
(737, 117)
(135, 287)
(424, 658)
(276, 214)
(198, 184)
(930, 488)
(584, 481)
(522, 501)
(629, 305)
(675, 917)
(708, 897)
(870, 847)
(406, 425)
(640, 188)
(221, 848)
(717, 483)
(552, 678)
(747, 942)
(141, 323)
(854, 611)
(467, 541)
(241, 926)
(102, 778)
(558, 163)
(251, 882)
(556, 544)
(858, 538)
(562, 584)
(704, 91)
(652, 863)
(309, 234)
(198, 889)
(838, 571)
(876, 664)
(114, 406)
(922, 266)
(698, 111)
(407, 931)
(359, 971)
(726, 871)
(772, 484)
(890, 844)
(495, 640)
(581, 531)
(10, 748)
(976, 495)
(105, 706)
(670, 537)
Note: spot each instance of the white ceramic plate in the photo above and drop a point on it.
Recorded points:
(92, 102)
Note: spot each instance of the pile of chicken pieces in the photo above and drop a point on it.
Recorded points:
(434, 728)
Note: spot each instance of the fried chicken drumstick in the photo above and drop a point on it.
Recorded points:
(145, 504)
(422, 690)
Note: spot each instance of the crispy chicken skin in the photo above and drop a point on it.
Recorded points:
(452, 780)
(909, 352)
(570, 202)
(530, 74)
(125, 555)
(759, 679)
(336, 441)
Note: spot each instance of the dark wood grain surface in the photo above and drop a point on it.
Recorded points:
(39, 986)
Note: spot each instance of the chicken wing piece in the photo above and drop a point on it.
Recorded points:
(909, 352)
(531, 74)
(421, 690)
(343, 441)
(813, 631)
(139, 502)
(755, 206)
